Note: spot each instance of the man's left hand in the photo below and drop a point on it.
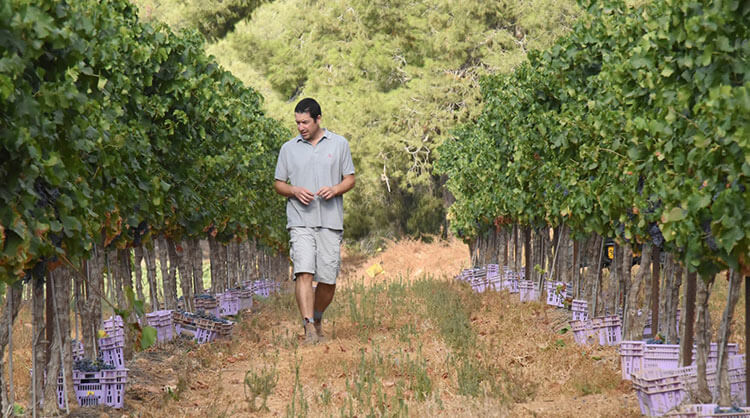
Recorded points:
(326, 192)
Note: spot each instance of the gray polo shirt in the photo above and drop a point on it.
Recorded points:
(313, 167)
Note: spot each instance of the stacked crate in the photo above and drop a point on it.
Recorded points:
(637, 355)
(580, 310)
(162, 322)
(528, 291)
(604, 330)
(661, 390)
(200, 328)
(229, 303)
(207, 303)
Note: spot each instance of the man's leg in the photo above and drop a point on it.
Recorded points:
(303, 291)
(328, 261)
(302, 252)
(323, 297)
(305, 298)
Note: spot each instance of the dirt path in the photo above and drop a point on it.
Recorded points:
(389, 353)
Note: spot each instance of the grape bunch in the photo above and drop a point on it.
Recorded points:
(710, 241)
(656, 237)
(200, 313)
(47, 195)
(86, 365)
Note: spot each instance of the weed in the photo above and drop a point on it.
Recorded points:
(325, 396)
(406, 331)
(299, 406)
(260, 383)
(175, 392)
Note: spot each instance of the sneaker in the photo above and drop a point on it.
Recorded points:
(311, 335)
(319, 330)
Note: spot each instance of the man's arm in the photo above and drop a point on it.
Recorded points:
(346, 184)
(287, 190)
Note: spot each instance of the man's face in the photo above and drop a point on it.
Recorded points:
(306, 125)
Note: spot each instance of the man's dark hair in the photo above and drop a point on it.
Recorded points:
(308, 105)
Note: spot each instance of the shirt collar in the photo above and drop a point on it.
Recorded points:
(325, 135)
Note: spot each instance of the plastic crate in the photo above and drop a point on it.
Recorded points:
(105, 387)
(229, 304)
(735, 372)
(707, 410)
(658, 391)
(580, 310)
(556, 292)
(582, 331)
(113, 322)
(529, 291)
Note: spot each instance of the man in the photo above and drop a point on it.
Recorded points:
(313, 171)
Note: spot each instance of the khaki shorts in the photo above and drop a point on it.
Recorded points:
(316, 251)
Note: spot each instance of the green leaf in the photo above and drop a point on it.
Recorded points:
(70, 224)
(148, 337)
(674, 215)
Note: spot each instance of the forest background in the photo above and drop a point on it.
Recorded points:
(394, 77)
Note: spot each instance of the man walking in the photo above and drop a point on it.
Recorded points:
(313, 172)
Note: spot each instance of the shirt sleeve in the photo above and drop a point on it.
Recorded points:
(282, 173)
(347, 165)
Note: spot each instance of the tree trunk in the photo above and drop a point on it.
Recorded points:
(703, 337)
(170, 285)
(39, 344)
(673, 333)
(126, 271)
(636, 298)
(506, 245)
(593, 251)
(186, 273)
(213, 246)
(223, 276)
(733, 295)
(163, 255)
(137, 260)
(149, 255)
(599, 298)
(687, 331)
(655, 283)
(91, 311)
(12, 306)
(577, 268)
(114, 272)
(61, 355)
(52, 366)
(196, 261)
(626, 265)
(527, 254)
(516, 249)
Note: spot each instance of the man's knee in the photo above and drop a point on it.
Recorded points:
(304, 277)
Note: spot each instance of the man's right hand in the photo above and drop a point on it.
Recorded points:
(303, 195)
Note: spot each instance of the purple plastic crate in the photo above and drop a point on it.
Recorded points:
(113, 356)
(112, 341)
(580, 310)
(707, 410)
(529, 291)
(113, 322)
(658, 391)
(555, 293)
(631, 357)
(105, 387)
(581, 331)
(229, 304)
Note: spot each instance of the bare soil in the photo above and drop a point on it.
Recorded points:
(545, 373)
